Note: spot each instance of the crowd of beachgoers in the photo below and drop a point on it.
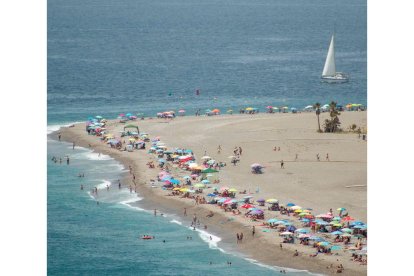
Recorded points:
(333, 232)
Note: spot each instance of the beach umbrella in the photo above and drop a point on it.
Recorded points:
(305, 220)
(246, 197)
(165, 178)
(286, 233)
(336, 218)
(232, 190)
(295, 207)
(176, 189)
(302, 230)
(269, 107)
(347, 218)
(200, 185)
(174, 181)
(303, 214)
(272, 220)
(298, 211)
(162, 160)
(290, 204)
(336, 247)
(211, 162)
(337, 225)
(347, 230)
(211, 195)
(215, 110)
(205, 181)
(224, 188)
(184, 190)
(316, 238)
(249, 108)
(98, 117)
(322, 222)
(275, 107)
(324, 243)
(186, 177)
(304, 236)
(272, 200)
(260, 200)
(359, 226)
(181, 111)
(336, 233)
(357, 223)
(256, 212)
(341, 209)
(206, 157)
(256, 165)
(247, 206)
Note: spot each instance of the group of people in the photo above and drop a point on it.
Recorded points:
(55, 159)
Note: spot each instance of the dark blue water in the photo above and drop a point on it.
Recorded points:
(107, 57)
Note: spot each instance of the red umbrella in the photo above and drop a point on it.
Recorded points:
(247, 206)
(348, 218)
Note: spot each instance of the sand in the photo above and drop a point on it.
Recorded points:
(320, 185)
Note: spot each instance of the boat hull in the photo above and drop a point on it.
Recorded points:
(337, 78)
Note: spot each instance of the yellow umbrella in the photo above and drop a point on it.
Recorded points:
(249, 108)
(298, 211)
(232, 190)
(176, 189)
(131, 139)
(272, 200)
(184, 189)
(337, 225)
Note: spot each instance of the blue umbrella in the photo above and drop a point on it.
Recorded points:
(357, 223)
(161, 160)
(212, 195)
(187, 177)
(303, 231)
(272, 220)
(290, 204)
(165, 178)
(321, 222)
(175, 181)
(316, 238)
(359, 226)
(305, 220)
(205, 181)
(336, 247)
(336, 233)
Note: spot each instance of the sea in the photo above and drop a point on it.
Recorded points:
(107, 57)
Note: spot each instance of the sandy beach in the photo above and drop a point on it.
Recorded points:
(321, 185)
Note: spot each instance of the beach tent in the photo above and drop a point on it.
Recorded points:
(131, 126)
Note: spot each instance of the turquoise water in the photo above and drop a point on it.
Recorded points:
(106, 57)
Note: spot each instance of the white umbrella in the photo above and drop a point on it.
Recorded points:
(205, 157)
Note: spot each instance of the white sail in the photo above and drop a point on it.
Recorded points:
(330, 69)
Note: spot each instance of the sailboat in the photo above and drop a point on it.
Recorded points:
(329, 73)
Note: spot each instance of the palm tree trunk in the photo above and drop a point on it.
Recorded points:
(319, 124)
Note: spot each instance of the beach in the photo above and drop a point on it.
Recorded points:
(337, 181)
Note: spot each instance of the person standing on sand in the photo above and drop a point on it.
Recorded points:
(185, 212)
(238, 237)
(241, 237)
(219, 149)
(253, 231)
(317, 157)
(327, 157)
(282, 164)
(59, 135)
(296, 157)
(275, 148)
(240, 150)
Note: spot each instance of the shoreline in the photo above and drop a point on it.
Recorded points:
(257, 248)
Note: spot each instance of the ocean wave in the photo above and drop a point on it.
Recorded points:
(176, 222)
(210, 239)
(53, 128)
(103, 184)
(98, 157)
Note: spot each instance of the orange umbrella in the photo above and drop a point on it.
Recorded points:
(215, 110)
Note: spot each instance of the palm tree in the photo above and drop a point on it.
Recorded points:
(334, 113)
(317, 106)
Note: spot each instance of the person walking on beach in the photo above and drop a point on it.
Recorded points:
(282, 164)
(327, 157)
(241, 237)
(238, 237)
(219, 149)
(59, 135)
(296, 157)
(185, 212)
(317, 157)
(253, 231)
(240, 150)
